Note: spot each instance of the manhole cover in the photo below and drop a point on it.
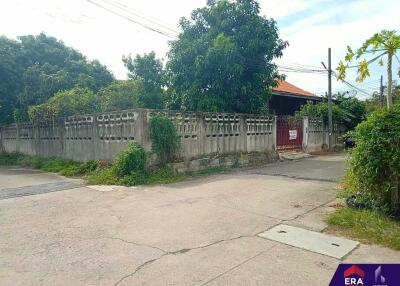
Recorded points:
(309, 240)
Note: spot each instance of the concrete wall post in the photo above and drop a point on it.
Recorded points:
(1, 139)
(201, 133)
(95, 137)
(275, 132)
(305, 133)
(18, 142)
(243, 132)
(142, 125)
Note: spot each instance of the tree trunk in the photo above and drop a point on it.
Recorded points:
(395, 196)
(389, 71)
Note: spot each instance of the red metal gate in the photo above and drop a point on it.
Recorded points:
(289, 133)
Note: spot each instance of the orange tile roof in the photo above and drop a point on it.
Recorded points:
(285, 87)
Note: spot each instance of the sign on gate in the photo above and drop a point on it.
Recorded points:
(292, 134)
(289, 133)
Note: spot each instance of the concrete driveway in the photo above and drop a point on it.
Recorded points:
(199, 232)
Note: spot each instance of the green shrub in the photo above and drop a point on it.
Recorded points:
(164, 138)
(133, 159)
(89, 166)
(8, 159)
(164, 176)
(374, 166)
(135, 178)
(104, 176)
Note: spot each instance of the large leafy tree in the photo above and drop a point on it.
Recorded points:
(385, 44)
(222, 60)
(66, 103)
(121, 95)
(10, 77)
(34, 68)
(347, 111)
(149, 70)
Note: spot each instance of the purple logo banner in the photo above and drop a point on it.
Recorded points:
(367, 275)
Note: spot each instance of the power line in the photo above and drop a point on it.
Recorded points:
(352, 86)
(130, 10)
(131, 20)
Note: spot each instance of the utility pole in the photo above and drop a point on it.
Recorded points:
(330, 122)
(381, 92)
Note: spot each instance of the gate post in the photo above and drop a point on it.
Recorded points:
(305, 134)
(275, 132)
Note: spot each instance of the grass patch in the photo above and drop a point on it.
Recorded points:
(365, 226)
(99, 173)
(164, 175)
(55, 165)
(161, 176)
(9, 159)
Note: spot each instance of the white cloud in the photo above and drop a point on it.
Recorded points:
(278, 9)
(100, 35)
(309, 41)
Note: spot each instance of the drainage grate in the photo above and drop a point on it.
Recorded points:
(38, 189)
(309, 240)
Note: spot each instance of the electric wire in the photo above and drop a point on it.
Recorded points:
(132, 20)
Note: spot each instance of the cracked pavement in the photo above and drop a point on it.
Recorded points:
(198, 232)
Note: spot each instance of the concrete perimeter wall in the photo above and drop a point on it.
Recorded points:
(316, 135)
(102, 136)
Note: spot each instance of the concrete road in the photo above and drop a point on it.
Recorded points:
(199, 232)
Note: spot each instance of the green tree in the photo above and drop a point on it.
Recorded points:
(384, 43)
(66, 103)
(34, 68)
(348, 111)
(149, 70)
(222, 60)
(121, 95)
(11, 71)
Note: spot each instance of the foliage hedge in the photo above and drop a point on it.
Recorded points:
(349, 112)
(165, 140)
(374, 166)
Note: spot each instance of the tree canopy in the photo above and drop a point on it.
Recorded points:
(66, 103)
(346, 111)
(222, 60)
(149, 70)
(119, 95)
(384, 43)
(34, 68)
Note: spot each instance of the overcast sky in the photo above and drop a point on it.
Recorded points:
(310, 26)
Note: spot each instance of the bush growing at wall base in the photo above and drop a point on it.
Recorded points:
(374, 166)
(132, 159)
(165, 140)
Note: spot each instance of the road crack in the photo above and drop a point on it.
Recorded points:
(238, 265)
(177, 252)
